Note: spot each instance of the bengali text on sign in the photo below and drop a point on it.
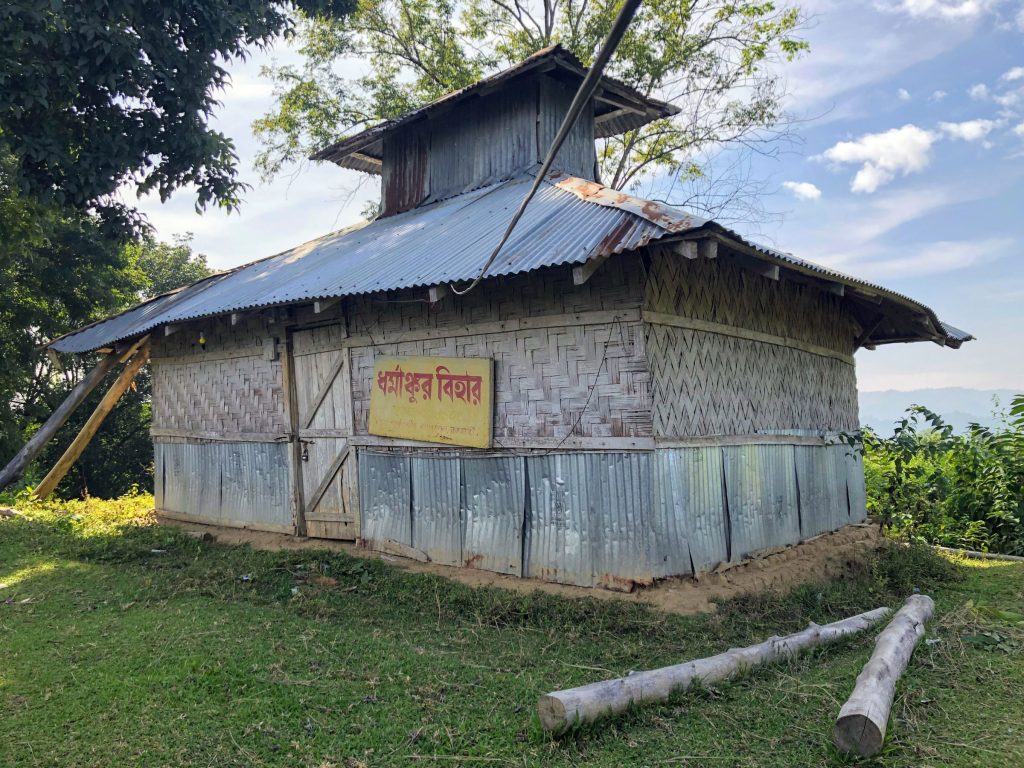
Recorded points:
(436, 399)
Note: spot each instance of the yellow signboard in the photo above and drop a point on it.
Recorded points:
(436, 399)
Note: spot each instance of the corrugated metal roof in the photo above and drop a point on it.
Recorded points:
(363, 150)
(569, 221)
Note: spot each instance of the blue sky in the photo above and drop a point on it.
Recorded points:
(908, 171)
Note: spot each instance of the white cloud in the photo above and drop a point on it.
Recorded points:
(802, 190)
(903, 94)
(939, 9)
(1009, 99)
(969, 130)
(978, 91)
(938, 95)
(1016, 73)
(1020, 20)
(884, 155)
(1019, 130)
(941, 256)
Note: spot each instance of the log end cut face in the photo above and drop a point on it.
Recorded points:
(858, 734)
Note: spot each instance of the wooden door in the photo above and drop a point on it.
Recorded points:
(323, 396)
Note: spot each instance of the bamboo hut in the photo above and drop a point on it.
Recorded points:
(632, 392)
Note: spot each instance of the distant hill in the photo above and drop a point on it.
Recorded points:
(958, 406)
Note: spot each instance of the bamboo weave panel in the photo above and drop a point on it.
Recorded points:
(708, 384)
(617, 285)
(724, 293)
(542, 379)
(204, 389)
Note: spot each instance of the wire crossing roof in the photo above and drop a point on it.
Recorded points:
(569, 221)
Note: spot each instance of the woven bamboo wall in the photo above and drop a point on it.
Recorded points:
(543, 375)
(229, 387)
(706, 383)
(721, 292)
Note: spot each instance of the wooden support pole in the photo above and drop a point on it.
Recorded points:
(862, 721)
(562, 710)
(16, 467)
(106, 405)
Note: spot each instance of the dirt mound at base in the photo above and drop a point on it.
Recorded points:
(829, 556)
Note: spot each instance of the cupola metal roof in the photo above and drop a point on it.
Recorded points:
(617, 108)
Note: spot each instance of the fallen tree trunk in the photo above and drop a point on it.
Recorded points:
(106, 405)
(970, 553)
(862, 721)
(562, 710)
(16, 467)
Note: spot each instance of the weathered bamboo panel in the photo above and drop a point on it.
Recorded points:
(706, 383)
(229, 386)
(710, 384)
(721, 292)
(543, 376)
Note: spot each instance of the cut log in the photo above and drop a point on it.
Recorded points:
(972, 554)
(17, 466)
(106, 405)
(862, 721)
(562, 710)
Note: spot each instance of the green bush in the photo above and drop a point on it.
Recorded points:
(966, 490)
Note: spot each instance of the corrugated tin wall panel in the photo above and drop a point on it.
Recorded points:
(255, 482)
(577, 154)
(405, 177)
(690, 518)
(621, 509)
(821, 482)
(854, 461)
(560, 532)
(760, 483)
(234, 483)
(591, 519)
(494, 505)
(606, 518)
(436, 509)
(385, 497)
(487, 141)
(159, 467)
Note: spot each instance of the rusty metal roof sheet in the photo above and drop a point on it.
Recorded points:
(569, 221)
(363, 151)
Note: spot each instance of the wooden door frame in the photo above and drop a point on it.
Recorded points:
(298, 503)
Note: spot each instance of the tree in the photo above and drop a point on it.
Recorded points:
(59, 270)
(99, 94)
(712, 58)
(167, 266)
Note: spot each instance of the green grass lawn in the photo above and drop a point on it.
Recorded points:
(200, 654)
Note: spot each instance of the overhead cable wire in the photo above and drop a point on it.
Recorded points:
(580, 100)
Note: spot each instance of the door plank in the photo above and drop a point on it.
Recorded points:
(325, 483)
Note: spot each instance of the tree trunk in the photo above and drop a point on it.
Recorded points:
(863, 718)
(561, 710)
(17, 466)
(106, 405)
